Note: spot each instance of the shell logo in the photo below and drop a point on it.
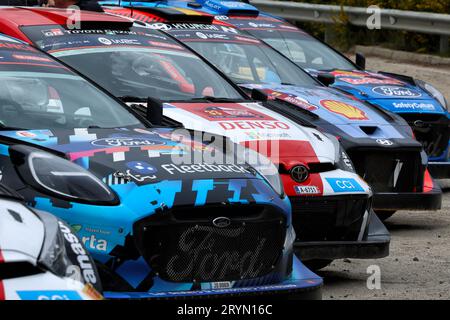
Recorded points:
(344, 109)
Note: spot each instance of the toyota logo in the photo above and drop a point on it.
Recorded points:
(221, 222)
(299, 173)
(385, 142)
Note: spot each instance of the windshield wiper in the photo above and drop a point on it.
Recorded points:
(215, 99)
(6, 128)
(133, 99)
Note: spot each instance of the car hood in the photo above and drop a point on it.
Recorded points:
(143, 156)
(328, 104)
(17, 220)
(388, 92)
(256, 127)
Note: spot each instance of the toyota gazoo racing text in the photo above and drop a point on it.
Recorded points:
(422, 105)
(135, 62)
(159, 218)
(40, 256)
(380, 143)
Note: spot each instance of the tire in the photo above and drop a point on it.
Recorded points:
(317, 264)
(384, 215)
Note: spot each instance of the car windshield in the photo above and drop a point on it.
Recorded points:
(137, 63)
(252, 63)
(38, 93)
(304, 50)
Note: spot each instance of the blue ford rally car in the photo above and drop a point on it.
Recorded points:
(157, 227)
(422, 105)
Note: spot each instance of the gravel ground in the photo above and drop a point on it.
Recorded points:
(418, 266)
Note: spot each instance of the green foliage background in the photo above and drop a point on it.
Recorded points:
(345, 35)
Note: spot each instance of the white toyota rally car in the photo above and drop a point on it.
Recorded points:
(40, 257)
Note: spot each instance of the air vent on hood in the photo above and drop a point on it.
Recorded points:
(369, 130)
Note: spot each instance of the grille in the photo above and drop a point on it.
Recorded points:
(183, 245)
(330, 219)
(431, 130)
(389, 171)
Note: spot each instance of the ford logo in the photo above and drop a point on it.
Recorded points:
(126, 142)
(390, 91)
(221, 222)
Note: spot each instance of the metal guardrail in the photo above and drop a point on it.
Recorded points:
(422, 22)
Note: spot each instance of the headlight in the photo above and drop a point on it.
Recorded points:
(64, 255)
(53, 254)
(59, 177)
(265, 168)
(435, 93)
(342, 160)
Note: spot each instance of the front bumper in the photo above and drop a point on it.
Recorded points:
(301, 284)
(374, 245)
(431, 200)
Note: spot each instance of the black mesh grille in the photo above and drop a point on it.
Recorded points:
(330, 218)
(431, 130)
(387, 171)
(182, 245)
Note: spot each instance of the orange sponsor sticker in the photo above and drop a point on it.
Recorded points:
(344, 109)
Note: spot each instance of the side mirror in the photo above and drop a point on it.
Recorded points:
(154, 111)
(259, 95)
(360, 61)
(327, 79)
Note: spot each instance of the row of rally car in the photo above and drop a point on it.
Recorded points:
(121, 189)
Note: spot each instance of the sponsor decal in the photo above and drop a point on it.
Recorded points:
(389, 91)
(49, 295)
(76, 227)
(230, 113)
(367, 80)
(30, 58)
(306, 190)
(127, 176)
(251, 125)
(141, 167)
(201, 168)
(82, 258)
(222, 285)
(165, 45)
(93, 243)
(205, 36)
(126, 142)
(109, 42)
(295, 101)
(384, 142)
(52, 32)
(344, 109)
(344, 185)
(26, 134)
(414, 106)
(261, 25)
(160, 26)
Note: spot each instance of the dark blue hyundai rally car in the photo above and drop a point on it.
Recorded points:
(156, 226)
(422, 105)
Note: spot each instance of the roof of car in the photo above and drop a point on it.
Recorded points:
(12, 18)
